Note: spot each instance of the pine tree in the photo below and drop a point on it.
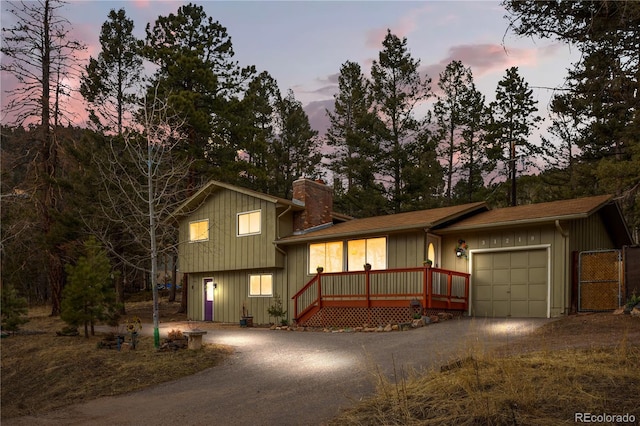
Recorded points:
(454, 82)
(89, 296)
(197, 74)
(473, 149)
(14, 308)
(397, 89)
(356, 151)
(108, 81)
(295, 151)
(513, 121)
(256, 130)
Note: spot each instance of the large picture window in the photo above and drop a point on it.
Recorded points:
(249, 223)
(371, 250)
(260, 285)
(326, 255)
(199, 230)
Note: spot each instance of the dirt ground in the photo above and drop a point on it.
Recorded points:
(602, 329)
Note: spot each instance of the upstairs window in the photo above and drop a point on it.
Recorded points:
(249, 223)
(199, 230)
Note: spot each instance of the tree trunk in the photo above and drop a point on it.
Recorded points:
(185, 293)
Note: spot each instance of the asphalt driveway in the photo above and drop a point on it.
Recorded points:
(290, 378)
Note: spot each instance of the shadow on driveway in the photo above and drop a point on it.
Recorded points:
(290, 378)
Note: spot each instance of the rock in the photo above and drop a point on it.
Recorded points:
(358, 329)
(434, 318)
(388, 327)
(395, 327)
(417, 323)
(445, 316)
(619, 311)
(369, 329)
(635, 312)
(273, 327)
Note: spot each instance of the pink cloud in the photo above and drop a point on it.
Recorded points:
(402, 28)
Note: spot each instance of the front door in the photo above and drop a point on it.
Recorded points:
(208, 299)
(433, 254)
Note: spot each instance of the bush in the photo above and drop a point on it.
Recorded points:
(14, 309)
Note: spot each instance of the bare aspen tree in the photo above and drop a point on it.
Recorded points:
(143, 181)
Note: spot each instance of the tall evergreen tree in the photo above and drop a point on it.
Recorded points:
(397, 89)
(257, 130)
(110, 80)
(602, 88)
(295, 151)
(473, 149)
(356, 150)
(41, 53)
(513, 121)
(454, 82)
(198, 75)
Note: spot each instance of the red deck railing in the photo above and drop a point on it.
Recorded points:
(434, 288)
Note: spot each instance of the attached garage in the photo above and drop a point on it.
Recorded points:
(521, 258)
(510, 283)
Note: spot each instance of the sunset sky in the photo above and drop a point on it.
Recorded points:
(303, 44)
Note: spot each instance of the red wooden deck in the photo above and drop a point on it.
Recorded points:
(380, 290)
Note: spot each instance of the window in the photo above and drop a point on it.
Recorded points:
(199, 230)
(371, 250)
(327, 255)
(260, 285)
(249, 223)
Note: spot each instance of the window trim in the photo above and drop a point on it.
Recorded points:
(270, 274)
(238, 234)
(201, 239)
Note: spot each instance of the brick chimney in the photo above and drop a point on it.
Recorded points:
(318, 201)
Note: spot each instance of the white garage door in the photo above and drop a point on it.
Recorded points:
(510, 284)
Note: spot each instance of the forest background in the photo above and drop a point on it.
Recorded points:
(174, 109)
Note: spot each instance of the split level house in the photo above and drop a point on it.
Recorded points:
(241, 250)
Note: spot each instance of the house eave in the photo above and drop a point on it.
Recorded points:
(512, 223)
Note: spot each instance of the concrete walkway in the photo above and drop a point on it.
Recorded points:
(289, 378)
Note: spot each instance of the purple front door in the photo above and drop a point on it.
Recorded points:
(208, 299)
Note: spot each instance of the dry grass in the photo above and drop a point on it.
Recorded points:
(544, 386)
(42, 372)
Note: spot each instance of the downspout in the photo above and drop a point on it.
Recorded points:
(565, 274)
(284, 253)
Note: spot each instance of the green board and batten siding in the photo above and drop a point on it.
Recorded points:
(225, 251)
(229, 259)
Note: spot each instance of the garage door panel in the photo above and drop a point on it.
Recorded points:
(500, 292)
(519, 276)
(538, 275)
(483, 308)
(510, 283)
(538, 258)
(501, 260)
(483, 277)
(500, 308)
(501, 276)
(483, 293)
(519, 259)
(519, 292)
(538, 309)
(538, 292)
